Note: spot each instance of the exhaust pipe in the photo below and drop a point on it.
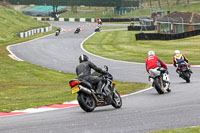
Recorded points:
(85, 90)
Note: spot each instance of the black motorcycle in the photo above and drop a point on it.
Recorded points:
(184, 71)
(77, 30)
(161, 82)
(97, 29)
(87, 97)
(57, 32)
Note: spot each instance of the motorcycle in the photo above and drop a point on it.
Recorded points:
(100, 23)
(77, 30)
(88, 99)
(98, 29)
(184, 72)
(57, 32)
(161, 81)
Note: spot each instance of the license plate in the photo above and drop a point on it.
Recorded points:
(75, 89)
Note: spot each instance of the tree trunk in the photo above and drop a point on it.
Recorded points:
(168, 3)
(141, 5)
(150, 3)
(188, 2)
(177, 2)
(159, 4)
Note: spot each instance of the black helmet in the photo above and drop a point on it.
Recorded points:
(83, 58)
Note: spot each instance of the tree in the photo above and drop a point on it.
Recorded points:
(177, 2)
(141, 5)
(159, 4)
(150, 3)
(168, 3)
(188, 2)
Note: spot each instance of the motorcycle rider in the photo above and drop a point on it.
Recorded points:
(83, 71)
(99, 21)
(152, 64)
(178, 59)
(58, 31)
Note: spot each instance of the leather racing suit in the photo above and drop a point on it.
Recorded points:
(83, 71)
(152, 64)
(179, 58)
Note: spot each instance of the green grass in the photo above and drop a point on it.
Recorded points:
(113, 27)
(100, 12)
(122, 45)
(24, 85)
(180, 130)
(8, 28)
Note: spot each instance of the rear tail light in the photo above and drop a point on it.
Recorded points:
(114, 83)
(73, 83)
(182, 65)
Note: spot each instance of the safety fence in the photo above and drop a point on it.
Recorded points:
(89, 19)
(34, 31)
(67, 19)
(119, 19)
(143, 28)
(162, 36)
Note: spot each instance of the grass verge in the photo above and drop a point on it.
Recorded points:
(113, 27)
(24, 85)
(122, 45)
(180, 130)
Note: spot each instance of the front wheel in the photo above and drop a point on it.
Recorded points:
(86, 102)
(116, 100)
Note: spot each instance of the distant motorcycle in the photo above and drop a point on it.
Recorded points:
(57, 32)
(184, 72)
(77, 30)
(161, 81)
(88, 99)
(97, 29)
(100, 22)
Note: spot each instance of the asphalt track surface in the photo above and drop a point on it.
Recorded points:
(143, 112)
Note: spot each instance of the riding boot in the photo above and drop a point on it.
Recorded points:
(99, 89)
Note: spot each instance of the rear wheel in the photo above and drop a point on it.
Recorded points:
(86, 102)
(187, 77)
(157, 85)
(116, 100)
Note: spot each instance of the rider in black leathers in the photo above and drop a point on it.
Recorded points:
(83, 71)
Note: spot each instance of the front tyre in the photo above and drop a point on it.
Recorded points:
(116, 100)
(86, 102)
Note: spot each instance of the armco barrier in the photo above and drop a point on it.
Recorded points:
(160, 36)
(67, 19)
(34, 31)
(143, 28)
(90, 19)
(122, 19)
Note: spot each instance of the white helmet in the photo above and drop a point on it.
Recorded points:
(176, 52)
(151, 53)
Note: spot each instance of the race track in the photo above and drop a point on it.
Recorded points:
(146, 111)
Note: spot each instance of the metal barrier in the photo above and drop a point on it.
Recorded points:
(143, 28)
(160, 36)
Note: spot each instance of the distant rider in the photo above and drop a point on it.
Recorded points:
(99, 21)
(153, 63)
(83, 71)
(178, 59)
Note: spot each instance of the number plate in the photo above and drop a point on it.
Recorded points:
(75, 89)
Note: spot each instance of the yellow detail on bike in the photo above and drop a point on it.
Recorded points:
(75, 89)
